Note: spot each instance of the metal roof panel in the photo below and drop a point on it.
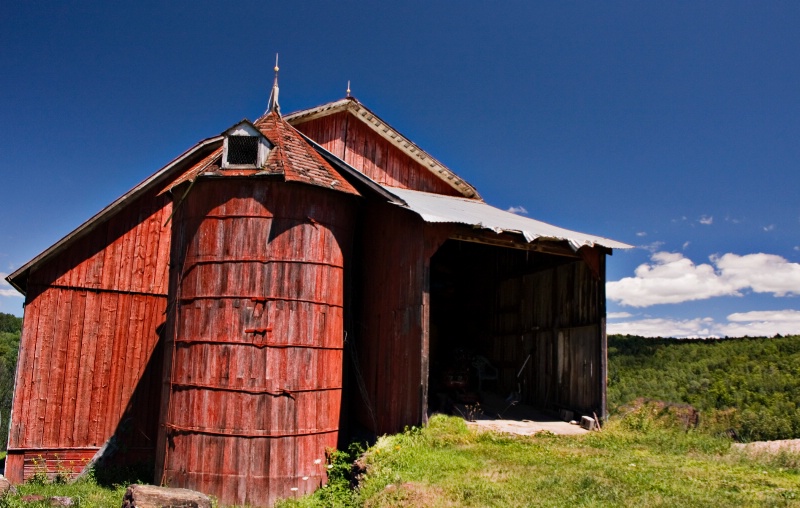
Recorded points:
(440, 208)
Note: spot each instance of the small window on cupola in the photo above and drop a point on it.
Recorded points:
(244, 147)
(242, 150)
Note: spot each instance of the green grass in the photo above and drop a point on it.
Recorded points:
(446, 464)
(85, 494)
(99, 489)
(638, 460)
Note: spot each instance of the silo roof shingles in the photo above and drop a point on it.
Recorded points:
(296, 159)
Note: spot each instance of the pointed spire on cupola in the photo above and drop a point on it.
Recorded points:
(273, 105)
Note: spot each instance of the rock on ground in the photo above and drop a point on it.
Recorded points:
(150, 496)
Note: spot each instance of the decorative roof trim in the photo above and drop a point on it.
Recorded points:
(390, 134)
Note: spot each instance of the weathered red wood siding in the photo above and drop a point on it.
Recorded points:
(361, 147)
(393, 322)
(256, 360)
(91, 326)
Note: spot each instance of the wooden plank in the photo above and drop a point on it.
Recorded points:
(160, 282)
(58, 360)
(91, 328)
(102, 368)
(24, 374)
(72, 368)
(41, 370)
(118, 367)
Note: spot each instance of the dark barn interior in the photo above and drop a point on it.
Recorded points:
(518, 324)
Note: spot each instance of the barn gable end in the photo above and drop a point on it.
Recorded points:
(89, 367)
(360, 138)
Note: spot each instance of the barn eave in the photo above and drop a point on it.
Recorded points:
(437, 208)
(18, 279)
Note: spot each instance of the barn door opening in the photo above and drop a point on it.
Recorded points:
(511, 327)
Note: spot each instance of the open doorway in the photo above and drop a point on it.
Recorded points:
(503, 334)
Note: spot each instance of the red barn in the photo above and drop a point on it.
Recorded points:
(291, 277)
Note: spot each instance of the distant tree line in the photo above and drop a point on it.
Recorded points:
(749, 385)
(10, 329)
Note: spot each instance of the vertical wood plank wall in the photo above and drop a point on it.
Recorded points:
(556, 315)
(393, 319)
(255, 382)
(91, 327)
(358, 145)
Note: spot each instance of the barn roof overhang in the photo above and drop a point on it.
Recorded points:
(392, 135)
(18, 279)
(437, 208)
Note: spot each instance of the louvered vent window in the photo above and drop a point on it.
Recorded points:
(242, 150)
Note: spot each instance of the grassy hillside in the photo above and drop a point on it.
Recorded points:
(751, 385)
(633, 462)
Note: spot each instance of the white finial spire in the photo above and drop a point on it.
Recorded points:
(273, 105)
(348, 88)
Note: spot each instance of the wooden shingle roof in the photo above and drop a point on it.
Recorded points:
(294, 158)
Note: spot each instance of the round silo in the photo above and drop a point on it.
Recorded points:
(256, 374)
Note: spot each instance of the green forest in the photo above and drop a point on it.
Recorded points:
(747, 387)
(10, 328)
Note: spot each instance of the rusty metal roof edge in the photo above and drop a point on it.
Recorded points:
(393, 136)
(438, 208)
(107, 212)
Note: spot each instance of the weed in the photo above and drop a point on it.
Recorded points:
(39, 476)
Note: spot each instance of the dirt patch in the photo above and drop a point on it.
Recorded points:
(498, 415)
(785, 445)
(681, 415)
(526, 427)
(410, 494)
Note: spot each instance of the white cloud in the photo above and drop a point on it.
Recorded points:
(686, 245)
(641, 233)
(673, 278)
(763, 273)
(663, 327)
(706, 219)
(771, 227)
(754, 324)
(670, 278)
(783, 316)
(653, 247)
(519, 210)
(619, 315)
(5, 287)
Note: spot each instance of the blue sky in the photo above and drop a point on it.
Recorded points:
(672, 126)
